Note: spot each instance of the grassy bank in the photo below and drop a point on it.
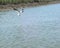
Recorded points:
(7, 4)
(21, 1)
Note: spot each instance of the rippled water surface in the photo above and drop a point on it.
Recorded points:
(37, 27)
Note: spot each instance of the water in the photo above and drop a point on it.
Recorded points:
(37, 27)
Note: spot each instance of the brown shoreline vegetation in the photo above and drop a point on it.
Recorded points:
(10, 6)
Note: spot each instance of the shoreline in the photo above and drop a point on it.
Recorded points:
(10, 6)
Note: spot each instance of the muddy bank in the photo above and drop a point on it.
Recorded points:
(10, 6)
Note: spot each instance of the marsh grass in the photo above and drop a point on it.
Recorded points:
(21, 1)
(14, 1)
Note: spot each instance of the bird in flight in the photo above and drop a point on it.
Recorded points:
(19, 12)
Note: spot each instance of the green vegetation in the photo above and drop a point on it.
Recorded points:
(14, 1)
(20, 1)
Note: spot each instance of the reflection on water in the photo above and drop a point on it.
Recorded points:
(37, 27)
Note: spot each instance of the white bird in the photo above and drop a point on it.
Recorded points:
(19, 12)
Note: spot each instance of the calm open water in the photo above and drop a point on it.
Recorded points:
(37, 27)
